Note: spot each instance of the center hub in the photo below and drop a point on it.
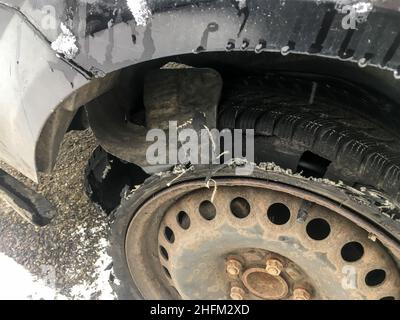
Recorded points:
(262, 274)
(263, 285)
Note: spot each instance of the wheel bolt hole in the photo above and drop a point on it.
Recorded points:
(183, 220)
(352, 251)
(278, 213)
(167, 272)
(164, 253)
(169, 235)
(207, 210)
(375, 277)
(318, 229)
(240, 208)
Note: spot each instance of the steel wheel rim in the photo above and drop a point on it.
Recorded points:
(162, 269)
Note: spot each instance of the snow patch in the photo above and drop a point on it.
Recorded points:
(100, 289)
(185, 124)
(359, 7)
(65, 44)
(107, 169)
(140, 11)
(362, 7)
(17, 283)
(242, 4)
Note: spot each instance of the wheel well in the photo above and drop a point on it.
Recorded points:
(378, 84)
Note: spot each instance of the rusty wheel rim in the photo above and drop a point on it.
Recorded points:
(195, 239)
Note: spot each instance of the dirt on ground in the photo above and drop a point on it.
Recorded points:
(74, 245)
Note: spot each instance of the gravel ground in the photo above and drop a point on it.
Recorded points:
(73, 246)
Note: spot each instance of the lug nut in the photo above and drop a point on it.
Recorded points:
(233, 267)
(274, 267)
(301, 294)
(237, 293)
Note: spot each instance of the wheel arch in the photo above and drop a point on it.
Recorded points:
(219, 33)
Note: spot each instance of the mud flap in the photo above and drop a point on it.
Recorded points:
(189, 97)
